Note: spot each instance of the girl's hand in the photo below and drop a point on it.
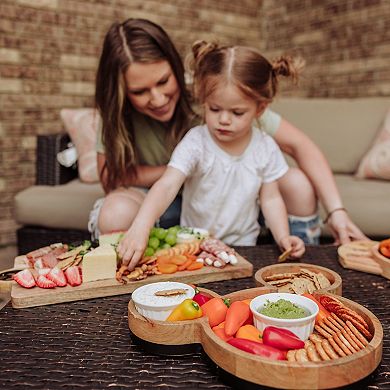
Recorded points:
(132, 246)
(294, 243)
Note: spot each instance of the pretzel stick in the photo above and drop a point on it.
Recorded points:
(284, 255)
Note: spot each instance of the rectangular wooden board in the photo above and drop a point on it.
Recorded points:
(24, 297)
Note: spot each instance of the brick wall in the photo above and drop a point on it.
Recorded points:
(49, 51)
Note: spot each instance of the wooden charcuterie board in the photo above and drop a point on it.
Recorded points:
(259, 370)
(364, 256)
(23, 297)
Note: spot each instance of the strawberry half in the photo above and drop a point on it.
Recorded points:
(73, 275)
(44, 282)
(57, 276)
(25, 278)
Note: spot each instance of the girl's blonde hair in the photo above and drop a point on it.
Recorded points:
(243, 66)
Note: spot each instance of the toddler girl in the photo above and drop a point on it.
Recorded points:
(227, 165)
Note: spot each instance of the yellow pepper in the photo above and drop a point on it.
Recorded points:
(187, 310)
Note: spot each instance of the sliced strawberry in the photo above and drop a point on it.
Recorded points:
(25, 278)
(73, 275)
(43, 271)
(44, 282)
(57, 276)
(39, 264)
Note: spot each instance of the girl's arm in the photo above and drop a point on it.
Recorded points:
(160, 196)
(313, 163)
(275, 214)
(146, 175)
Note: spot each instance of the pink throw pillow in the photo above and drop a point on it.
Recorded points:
(376, 162)
(82, 125)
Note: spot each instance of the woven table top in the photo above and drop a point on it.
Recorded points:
(88, 345)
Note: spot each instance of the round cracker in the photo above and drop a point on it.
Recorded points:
(331, 325)
(361, 338)
(322, 331)
(326, 328)
(313, 354)
(341, 344)
(350, 340)
(336, 347)
(291, 355)
(329, 350)
(301, 355)
(321, 351)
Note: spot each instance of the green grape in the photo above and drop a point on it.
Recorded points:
(165, 246)
(153, 242)
(170, 239)
(153, 232)
(160, 233)
(149, 251)
(173, 230)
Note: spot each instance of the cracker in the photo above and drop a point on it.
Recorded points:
(330, 324)
(322, 280)
(291, 355)
(361, 338)
(329, 350)
(321, 351)
(301, 355)
(314, 337)
(285, 275)
(341, 344)
(353, 337)
(346, 342)
(299, 286)
(313, 354)
(326, 328)
(336, 347)
(350, 340)
(322, 331)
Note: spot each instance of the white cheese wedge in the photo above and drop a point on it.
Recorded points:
(110, 238)
(99, 263)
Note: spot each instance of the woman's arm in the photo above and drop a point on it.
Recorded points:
(313, 163)
(159, 197)
(146, 175)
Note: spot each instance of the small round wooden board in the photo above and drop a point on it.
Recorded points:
(364, 256)
(259, 370)
(287, 268)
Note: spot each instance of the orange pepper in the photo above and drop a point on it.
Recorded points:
(220, 332)
(322, 313)
(221, 326)
(384, 248)
(215, 309)
(249, 332)
(236, 316)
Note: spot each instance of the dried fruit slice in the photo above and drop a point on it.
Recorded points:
(73, 275)
(25, 278)
(43, 282)
(57, 276)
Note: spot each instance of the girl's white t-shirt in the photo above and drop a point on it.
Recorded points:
(221, 191)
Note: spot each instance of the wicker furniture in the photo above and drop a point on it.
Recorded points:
(88, 345)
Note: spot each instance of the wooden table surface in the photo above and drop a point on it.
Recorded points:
(88, 345)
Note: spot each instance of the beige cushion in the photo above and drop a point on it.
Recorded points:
(376, 163)
(64, 206)
(343, 128)
(367, 202)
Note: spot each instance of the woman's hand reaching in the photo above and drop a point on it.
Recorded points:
(133, 245)
(293, 244)
(342, 228)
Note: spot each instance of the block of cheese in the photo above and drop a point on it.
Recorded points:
(99, 263)
(111, 238)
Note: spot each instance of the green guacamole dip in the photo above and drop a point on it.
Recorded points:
(282, 309)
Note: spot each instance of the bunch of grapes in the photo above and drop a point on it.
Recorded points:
(160, 238)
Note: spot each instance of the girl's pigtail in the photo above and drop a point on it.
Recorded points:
(288, 67)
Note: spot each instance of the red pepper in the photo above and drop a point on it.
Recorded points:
(200, 298)
(258, 348)
(281, 338)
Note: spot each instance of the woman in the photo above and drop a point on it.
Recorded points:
(145, 110)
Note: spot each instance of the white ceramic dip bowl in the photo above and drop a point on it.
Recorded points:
(302, 327)
(159, 307)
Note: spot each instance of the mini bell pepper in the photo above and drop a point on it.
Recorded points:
(281, 338)
(215, 309)
(236, 316)
(187, 310)
(249, 332)
(258, 349)
(200, 298)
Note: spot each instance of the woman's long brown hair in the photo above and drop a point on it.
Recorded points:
(134, 40)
